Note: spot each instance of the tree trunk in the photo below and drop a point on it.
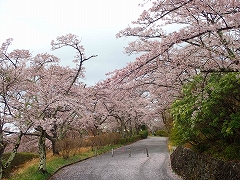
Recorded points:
(137, 128)
(2, 148)
(14, 151)
(53, 138)
(53, 141)
(1, 164)
(54, 147)
(42, 150)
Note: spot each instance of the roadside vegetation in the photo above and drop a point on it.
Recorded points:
(71, 150)
(207, 116)
(29, 170)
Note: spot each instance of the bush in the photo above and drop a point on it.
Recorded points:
(131, 139)
(143, 134)
(122, 141)
(209, 112)
(162, 133)
(232, 152)
(115, 138)
(67, 145)
(222, 150)
(104, 139)
(136, 138)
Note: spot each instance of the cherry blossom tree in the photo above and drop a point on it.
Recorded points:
(12, 91)
(96, 113)
(204, 37)
(55, 95)
(40, 97)
(209, 29)
(76, 89)
(73, 41)
(126, 109)
(52, 111)
(48, 84)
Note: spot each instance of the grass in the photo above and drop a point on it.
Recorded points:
(29, 171)
(18, 161)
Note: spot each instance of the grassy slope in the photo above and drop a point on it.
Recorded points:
(29, 171)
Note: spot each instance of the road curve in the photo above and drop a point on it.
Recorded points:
(147, 159)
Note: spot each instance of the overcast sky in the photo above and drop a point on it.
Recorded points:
(34, 23)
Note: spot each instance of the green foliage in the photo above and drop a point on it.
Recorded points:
(232, 152)
(162, 133)
(18, 160)
(136, 138)
(208, 111)
(133, 138)
(143, 134)
(175, 137)
(223, 150)
(123, 141)
(167, 119)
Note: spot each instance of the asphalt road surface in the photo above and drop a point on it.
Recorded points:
(146, 159)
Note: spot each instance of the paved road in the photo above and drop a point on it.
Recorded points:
(126, 164)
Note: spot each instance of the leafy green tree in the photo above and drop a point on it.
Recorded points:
(208, 111)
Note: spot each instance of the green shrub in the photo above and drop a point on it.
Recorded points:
(130, 139)
(208, 112)
(143, 134)
(122, 141)
(232, 152)
(161, 133)
(136, 138)
(202, 147)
